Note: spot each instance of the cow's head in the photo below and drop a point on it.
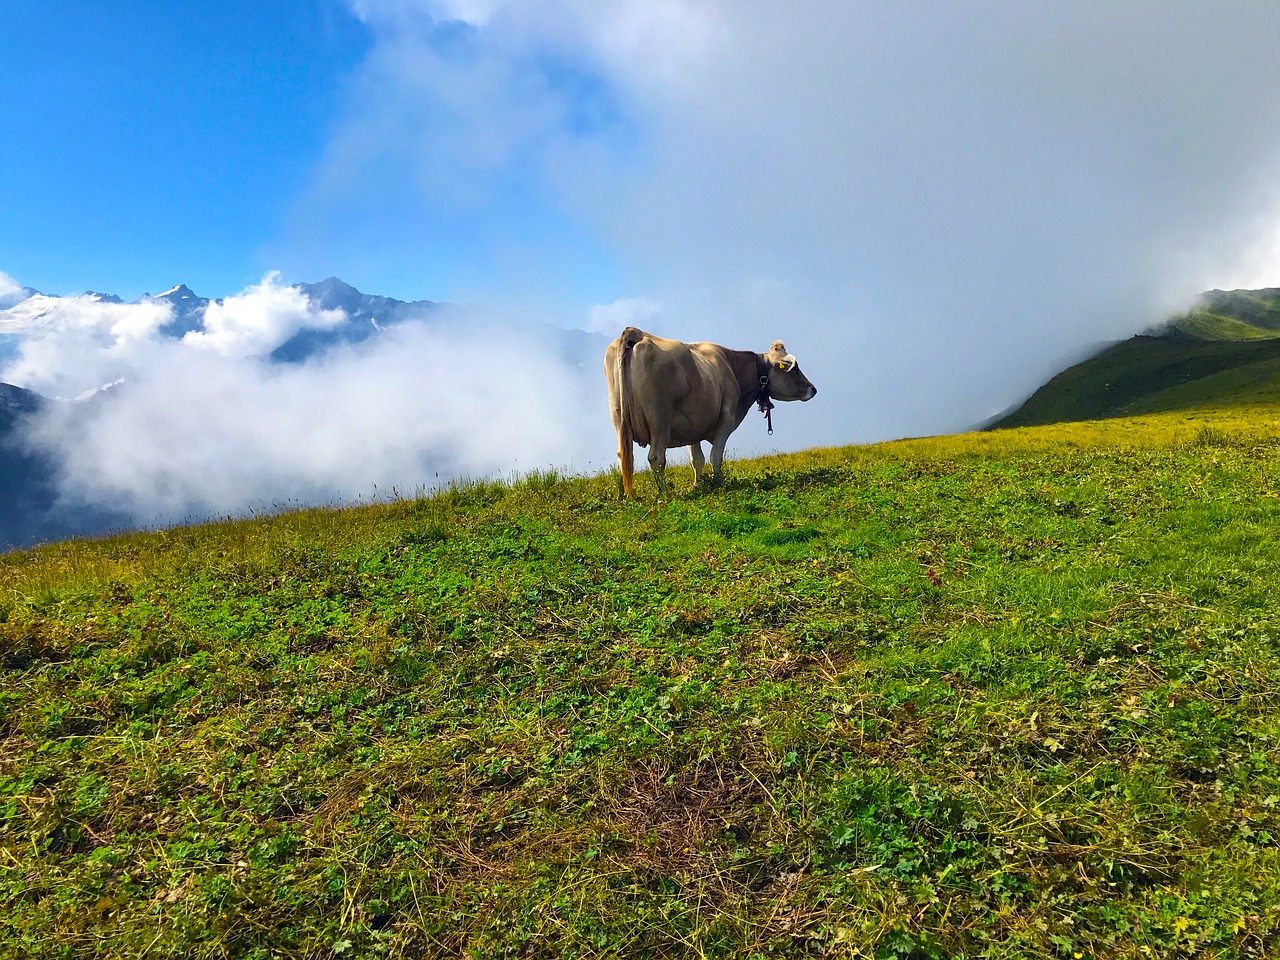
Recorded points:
(786, 382)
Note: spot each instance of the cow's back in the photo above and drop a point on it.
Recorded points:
(669, 388)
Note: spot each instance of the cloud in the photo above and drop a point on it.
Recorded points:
(66, 345)
(932, 202)
(8, 285)
(208, 424)
(260, 319)
(610, 319)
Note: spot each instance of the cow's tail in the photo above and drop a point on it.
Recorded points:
(626, 428)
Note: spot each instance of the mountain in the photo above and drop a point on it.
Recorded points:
(15, 297)
(27, 480)
(30, 508)
(366, 314)
(1224, 350)
(29, 505)
(188, 310)
(16, 402)
(26, 310)
(1232, 315)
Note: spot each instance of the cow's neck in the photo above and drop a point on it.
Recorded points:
(748, 368)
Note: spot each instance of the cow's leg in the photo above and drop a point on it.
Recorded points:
(717, 455)
(658, 464)
(695, 455)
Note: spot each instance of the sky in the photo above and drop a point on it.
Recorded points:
(934, 204)
(151, 143)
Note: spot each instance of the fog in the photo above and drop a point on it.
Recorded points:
(933, 204)
(208, 424)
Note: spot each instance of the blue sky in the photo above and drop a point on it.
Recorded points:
(147, 142)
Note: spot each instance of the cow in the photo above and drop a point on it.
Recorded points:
(667, 393)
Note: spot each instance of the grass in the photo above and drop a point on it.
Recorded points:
(1204, 325)
(1257, 308)
(1008, 694)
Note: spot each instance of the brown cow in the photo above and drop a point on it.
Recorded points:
(667, 393)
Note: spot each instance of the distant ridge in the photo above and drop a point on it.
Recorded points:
(17, 401)
(1224, 350)
(366, 313)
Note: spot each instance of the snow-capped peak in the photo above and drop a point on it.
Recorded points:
(175, 293)
(94, 391)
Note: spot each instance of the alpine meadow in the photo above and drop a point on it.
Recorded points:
(1003, 694)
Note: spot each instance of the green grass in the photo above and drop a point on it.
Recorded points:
(1252, 386)
(1203, 325)
(1008, 694)
(1257, 308)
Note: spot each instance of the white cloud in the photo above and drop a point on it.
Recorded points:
(8, 284)
(260, 319)
(203, 433)
(66, 345)
(611, 318)
(952, 195)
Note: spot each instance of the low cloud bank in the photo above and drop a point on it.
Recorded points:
(932, 203)
(208, 424)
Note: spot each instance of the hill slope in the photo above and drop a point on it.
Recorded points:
(1226, 330)
(1005, 694)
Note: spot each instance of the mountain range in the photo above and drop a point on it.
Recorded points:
(26, 309)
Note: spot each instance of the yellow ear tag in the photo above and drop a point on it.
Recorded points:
(781, 367)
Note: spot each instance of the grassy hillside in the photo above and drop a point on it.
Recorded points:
(1259, 309)
(999, 695)
(1225, 331)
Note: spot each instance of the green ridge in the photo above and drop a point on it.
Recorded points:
(1226, 330)
(1203, 325)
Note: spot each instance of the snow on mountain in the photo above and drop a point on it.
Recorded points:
(95, 391)
(27, 315)
(325, 315)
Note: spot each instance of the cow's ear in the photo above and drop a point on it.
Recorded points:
(778, 356)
